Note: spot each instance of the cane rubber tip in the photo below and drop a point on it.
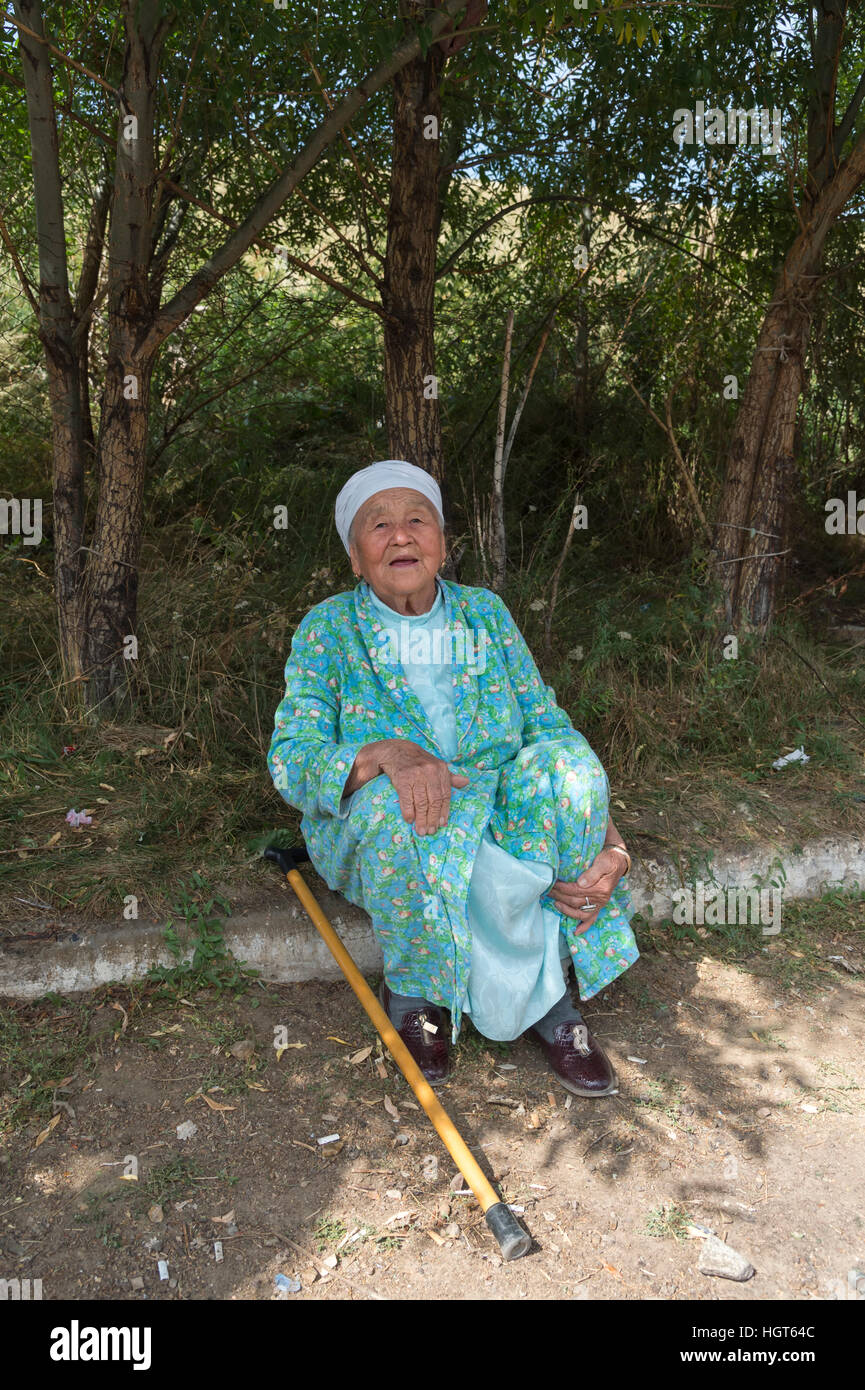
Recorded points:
(513, 1240)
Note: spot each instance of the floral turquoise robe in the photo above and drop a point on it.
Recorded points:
(533, 779)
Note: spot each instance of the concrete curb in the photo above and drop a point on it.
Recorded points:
(285, 947)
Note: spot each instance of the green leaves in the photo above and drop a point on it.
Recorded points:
(425, 37)
(630, 22)
(212, 964)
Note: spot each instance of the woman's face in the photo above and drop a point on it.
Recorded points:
(397, 545)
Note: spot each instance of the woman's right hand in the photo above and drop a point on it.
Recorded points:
(422, 782)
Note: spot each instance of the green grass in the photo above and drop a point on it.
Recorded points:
(45, 1042)
(669, 1221)
(37, 1056)
(95, 1215)
(471, 1045)
(211, 964)
(328, 1230)
(332, 1231)
(169, 1182)
(837, 1089)
(662, 1094)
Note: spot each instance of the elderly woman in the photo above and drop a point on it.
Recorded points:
(444, 791)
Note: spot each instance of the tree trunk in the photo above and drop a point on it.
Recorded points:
(418, 185)
(56, 331)
(111, 589)
(111, 584)
(88, 281)
(498, 536)
(753, 522)
(753, 516)
(68, 503)
(408, 291)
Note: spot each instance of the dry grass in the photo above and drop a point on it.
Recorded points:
(181, 785)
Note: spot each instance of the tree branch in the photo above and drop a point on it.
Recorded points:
(225, 388)
(55, 306)
(217, 344)
(93, 247)
(524, 397)
(273, 198)
(19, 269)
(848, 120)
(279, 251)
(175, 132)
(354, 250)
(12, 80)
(168, 230)
(822, 161)
(364, 216)
(58, 53)
(677, 453)
(626, 217)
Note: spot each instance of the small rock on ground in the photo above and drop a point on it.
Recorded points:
(723, 1261)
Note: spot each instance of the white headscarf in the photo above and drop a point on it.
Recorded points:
(376, 478)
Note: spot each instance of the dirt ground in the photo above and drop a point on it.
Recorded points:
(740, 1109)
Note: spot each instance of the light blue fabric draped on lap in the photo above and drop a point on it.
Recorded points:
(517, 945)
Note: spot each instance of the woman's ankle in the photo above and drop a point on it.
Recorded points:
(563, 1011)
(398, 1005)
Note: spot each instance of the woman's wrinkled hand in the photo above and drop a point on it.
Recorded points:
(595, 883)
(422, 782)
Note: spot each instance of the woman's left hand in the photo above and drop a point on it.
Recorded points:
(595, 883)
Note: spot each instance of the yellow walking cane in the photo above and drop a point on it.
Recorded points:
(513, 1240)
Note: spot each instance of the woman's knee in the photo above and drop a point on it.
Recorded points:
(373, 802)
(562, 755)
(376, 821)
(574, 769)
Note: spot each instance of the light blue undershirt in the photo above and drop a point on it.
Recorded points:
(517, 948)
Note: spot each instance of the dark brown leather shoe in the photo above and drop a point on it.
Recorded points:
(431, 1050)
(578, 1061)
